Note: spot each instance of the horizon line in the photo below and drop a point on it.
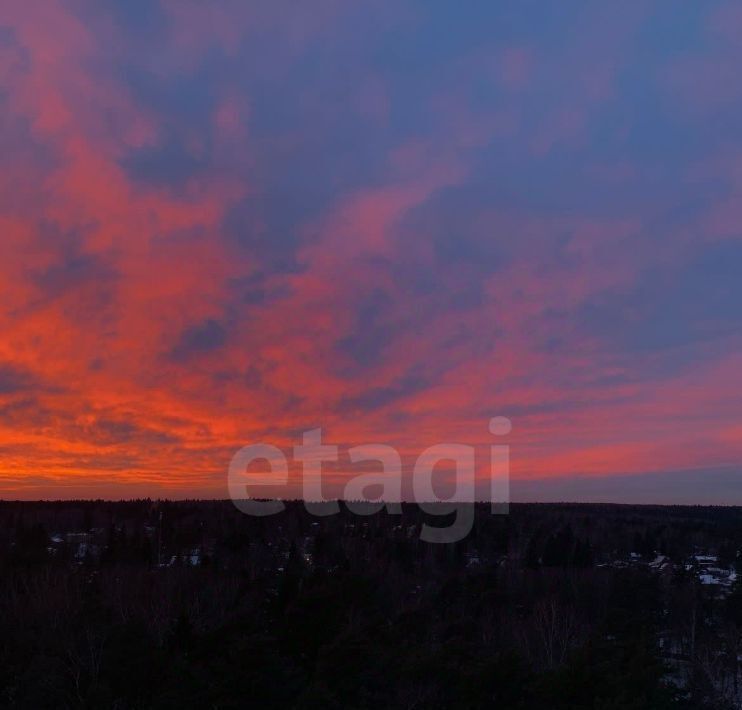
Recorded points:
(57, 501)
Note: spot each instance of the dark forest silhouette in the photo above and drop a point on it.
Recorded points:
(152, 604)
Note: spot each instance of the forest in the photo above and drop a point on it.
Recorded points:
(192, 604)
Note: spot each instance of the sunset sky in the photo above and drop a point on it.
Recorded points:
(226, 223)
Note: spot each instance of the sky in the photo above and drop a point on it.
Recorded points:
(227, 223)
